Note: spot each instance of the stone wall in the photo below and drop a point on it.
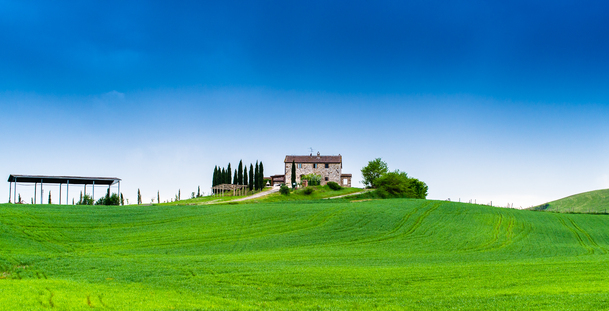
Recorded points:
(333, 172)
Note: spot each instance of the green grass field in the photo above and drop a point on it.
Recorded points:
(321, 255)
(588, 202)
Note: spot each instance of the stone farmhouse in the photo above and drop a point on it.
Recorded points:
(329, 167)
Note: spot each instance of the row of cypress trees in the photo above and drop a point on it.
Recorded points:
(254, 180)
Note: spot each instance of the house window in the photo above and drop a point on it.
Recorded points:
(327, 165)
(327, 178)
(299, 165)
(314, 165)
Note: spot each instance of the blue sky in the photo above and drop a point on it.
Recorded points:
(489, 101)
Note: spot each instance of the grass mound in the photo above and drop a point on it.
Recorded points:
(588, 202)
(381, 254)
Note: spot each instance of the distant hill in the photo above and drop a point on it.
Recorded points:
(596, 201)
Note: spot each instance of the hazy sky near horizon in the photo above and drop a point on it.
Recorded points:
(506, 102)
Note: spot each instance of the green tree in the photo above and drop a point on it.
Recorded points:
(250, 184)
(256, 173)
(228, 177)
(50, 197)
(293, 181)
(139, 197)
(179, 195)
(122, 199)
(240, 173)
(223, 174)
(214, 179)
(373, 171)
(235, 178)
(245, 180)
(198, 191)
(158, 196)
(261, 178)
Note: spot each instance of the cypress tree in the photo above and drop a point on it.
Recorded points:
(293, 174)
(245, 175)
(214, 178)
(256, 173)
(228, 177)
(139, 197)
(158, 197)
(240, 173)
(250, 183)
(223, 174)
(261, 175)
(49, 198)
(198, 191)
(235, 180)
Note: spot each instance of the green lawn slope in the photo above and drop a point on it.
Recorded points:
(588, 202)
(326, 255)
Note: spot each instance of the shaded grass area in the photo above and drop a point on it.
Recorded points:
(384, 254)
(588, 202)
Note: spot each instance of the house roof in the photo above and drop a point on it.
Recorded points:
(314, 158)
(346, 175)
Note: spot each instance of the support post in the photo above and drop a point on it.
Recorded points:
(59, 193)
(15, 193)
(119, 190)
(41, 192)
(93, 195)
(35, 184)
(10, 191)
(68, 193)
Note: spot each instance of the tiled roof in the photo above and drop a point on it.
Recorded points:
(313, 159)
(345, 175)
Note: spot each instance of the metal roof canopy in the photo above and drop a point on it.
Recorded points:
(74, 180)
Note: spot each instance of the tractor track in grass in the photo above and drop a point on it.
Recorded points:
(589, 249)
(588, 236)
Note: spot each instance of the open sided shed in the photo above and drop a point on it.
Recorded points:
(61, 180)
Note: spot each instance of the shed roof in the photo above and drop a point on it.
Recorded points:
(314, 158)
(78, 180)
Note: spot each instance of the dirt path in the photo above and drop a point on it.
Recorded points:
(256, 195)
(347, 195)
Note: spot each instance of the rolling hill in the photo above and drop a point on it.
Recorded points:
(596, 201)
(324, 255)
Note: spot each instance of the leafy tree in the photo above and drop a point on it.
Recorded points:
(245, 180)
(293, 181)
(373, 171)
(251, 180)
(84, 200)
(398, 184)
(240, 173)
(109, 199)
(139, 197)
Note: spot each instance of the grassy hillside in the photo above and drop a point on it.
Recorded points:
(383, 254)
(588, 202)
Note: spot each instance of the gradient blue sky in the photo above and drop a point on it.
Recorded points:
(482, 100)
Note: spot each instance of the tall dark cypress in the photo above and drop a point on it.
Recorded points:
(250, 184)
(214, 180)
(240, 173)
(261, 169)
(228, 177)
(223, 174)
(235, 180)
(256, 176)
(293, 174)
(245, 175)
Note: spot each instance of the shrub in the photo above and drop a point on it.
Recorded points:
(308, 190)
(314, 179)
(398, 184)
(285, 190)
(334, 185)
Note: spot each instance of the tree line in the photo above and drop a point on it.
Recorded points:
(253, 179)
